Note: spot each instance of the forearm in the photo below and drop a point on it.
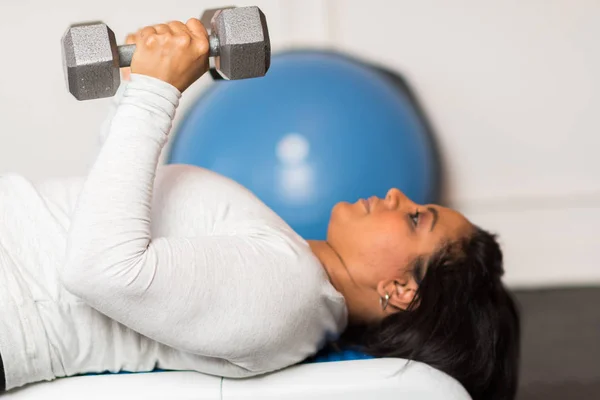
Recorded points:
(113, 212)
(113, 107)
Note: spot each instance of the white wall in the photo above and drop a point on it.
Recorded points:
(512, 89)
(46, 131)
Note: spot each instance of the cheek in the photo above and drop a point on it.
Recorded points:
(380, 240)
(384, 240)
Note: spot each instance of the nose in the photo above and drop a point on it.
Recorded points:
(398, 198)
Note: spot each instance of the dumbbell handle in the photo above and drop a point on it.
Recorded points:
(126, 51)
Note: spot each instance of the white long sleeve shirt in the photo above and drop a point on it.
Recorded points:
(140, 266)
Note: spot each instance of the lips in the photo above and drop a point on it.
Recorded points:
(366, 204)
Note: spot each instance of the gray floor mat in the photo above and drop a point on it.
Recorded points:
(561, 343)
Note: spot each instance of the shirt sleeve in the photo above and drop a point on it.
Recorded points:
(177, 291)
(112, 109)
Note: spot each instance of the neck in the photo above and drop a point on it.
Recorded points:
(359, 308)
(331, 262)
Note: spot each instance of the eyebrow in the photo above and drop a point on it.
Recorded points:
(434, 212)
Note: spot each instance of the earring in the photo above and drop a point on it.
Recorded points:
(383, 301)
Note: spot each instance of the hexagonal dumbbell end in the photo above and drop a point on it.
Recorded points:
(244, 44)
(90, 61)
(206, 21)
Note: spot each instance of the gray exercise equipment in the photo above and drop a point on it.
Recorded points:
(239, 45)
(206, 20)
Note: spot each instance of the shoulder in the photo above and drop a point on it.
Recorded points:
(188, 183)
(300, 312)
(190, 177)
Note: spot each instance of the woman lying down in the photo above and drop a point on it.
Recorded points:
(138, 267)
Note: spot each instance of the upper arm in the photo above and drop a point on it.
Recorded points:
(190, 294)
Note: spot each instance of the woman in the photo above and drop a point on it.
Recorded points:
(139, 266)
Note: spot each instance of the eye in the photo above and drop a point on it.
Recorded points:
(415, 218)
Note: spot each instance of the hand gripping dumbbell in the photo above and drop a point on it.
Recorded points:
(239, 43)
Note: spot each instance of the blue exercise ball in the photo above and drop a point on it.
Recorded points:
(319, 128)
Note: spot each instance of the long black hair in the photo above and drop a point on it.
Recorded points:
(463, 321)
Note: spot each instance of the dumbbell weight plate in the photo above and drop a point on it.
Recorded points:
(206, 20)
(85, 65)
(244, 48)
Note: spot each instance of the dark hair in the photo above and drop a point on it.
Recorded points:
(463, 321)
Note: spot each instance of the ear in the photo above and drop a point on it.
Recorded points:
(401, 292)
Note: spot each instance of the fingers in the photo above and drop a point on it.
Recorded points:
(193, 27)
(174, 27)
(146, 32)
(197, 29)
(131, 38)
(178, 27)
(174, 52)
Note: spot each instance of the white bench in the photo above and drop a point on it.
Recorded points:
(347, 380)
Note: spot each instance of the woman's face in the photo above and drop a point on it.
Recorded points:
(378, 240)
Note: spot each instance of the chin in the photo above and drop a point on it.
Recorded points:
(340, 213)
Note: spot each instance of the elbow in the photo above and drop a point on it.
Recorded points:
(86, 274)
(76, 275)
(82, 269)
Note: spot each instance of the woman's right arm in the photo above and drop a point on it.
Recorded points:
(116, 99)
(112, 110)
(184, 292)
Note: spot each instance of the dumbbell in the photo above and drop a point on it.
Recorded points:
(207, 21)
(239, 44)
